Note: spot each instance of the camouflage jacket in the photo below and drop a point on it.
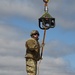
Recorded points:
(32, 49)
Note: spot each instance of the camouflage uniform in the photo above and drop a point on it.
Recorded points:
(32, 56)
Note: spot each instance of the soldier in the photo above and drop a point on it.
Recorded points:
(32, 53)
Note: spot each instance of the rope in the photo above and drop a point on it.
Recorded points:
(45, 28)
(41, 50)
(43, 42)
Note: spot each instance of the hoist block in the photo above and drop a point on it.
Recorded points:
(46, 1)
(46, 23)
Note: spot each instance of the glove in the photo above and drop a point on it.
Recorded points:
(40, 58)
(42, 45)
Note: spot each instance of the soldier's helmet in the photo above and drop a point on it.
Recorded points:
(34, 32)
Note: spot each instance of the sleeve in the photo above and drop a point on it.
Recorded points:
(31, 45)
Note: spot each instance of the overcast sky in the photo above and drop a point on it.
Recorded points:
(18, 18)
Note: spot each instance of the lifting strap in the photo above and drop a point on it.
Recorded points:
(45, 22)
(42, 48)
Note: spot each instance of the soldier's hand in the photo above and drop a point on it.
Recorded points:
(40, 58)
(43, 44)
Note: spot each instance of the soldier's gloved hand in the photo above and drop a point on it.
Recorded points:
(42, 45)
(40, 58)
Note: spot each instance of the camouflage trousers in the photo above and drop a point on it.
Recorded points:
(31, 66)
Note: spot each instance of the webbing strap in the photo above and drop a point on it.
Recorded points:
(43, 42)
(41, 50)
